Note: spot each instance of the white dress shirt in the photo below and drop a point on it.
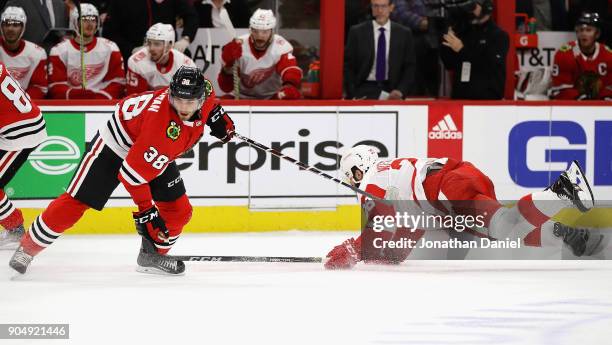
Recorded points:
(215, 13)
(387, 26)
(49, 4)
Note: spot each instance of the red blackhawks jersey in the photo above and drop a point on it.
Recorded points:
(28, 66)
(21, 122)
(145, 75)
(104, 73)
(148, 134)
(577, 76)
(261, 76)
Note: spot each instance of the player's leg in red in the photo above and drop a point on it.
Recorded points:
(11, 217)
(171, 200)
(92, 184)
(176, 214)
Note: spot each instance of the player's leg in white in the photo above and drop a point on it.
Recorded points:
(570, 189)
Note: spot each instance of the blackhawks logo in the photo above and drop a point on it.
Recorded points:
(173, 131)
(207, 88)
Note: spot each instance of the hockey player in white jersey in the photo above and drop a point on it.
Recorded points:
(97, 73)
(449, 186)
(152, 67)
(267, 67)
(25, 61)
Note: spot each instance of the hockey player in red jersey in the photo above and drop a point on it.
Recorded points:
(22, 128)
(153, 66)
(137, 148)
(582, 68)
(267, 67)
(95, 73)
(26, 61)
(449, 186)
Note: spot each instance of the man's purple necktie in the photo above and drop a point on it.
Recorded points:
(381, 56)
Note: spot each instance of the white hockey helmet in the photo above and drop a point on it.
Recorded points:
(262, 20)
(161, 32)
(15, 14)
(362, 157)
(87, 10)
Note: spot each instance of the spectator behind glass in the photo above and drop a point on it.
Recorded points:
(267, 67)
(379, 57)
(413, 14)
(549, 14)
(128, 21)
(98, 73)
(476, 55)
(209, 12)
(25, 61)
(43, 16)
(582, 68)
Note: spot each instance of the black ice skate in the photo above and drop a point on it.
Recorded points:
(20, 260)
(581, 241)
(9, 239)
(149, 261)
(572, 185)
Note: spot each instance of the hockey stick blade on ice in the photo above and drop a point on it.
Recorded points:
(220, 258)
(304, 166)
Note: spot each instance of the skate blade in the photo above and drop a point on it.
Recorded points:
(153, 270)
(596, 247)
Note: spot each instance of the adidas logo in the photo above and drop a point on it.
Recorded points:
(445, 129)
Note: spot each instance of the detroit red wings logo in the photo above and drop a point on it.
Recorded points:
(18, 73)
(75, 77)
(256, 77)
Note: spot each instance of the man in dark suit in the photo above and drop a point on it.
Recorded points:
(43, 15)
(379, 60)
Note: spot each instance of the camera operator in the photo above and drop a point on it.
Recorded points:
(475, 49)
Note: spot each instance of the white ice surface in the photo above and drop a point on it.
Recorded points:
(90, 283)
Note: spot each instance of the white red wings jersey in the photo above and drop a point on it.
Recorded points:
(399, 178)
(145, 75)
(28, 66)
(575, 74)
(104, 73)
(147, 132)
(262, 77)
(21, 122)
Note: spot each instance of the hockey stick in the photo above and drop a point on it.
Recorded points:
(215, 258)
(77, 3)
(227, 23)
(304, 166)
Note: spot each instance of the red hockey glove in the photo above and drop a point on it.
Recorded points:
(231, 52)
(221, 125)
(288, 92)
(344, 256)
(152, 227)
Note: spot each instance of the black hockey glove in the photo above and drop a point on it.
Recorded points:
(152, 227)
(221, 125)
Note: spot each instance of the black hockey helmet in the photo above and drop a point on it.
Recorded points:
(189, 83)
(590, 19)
